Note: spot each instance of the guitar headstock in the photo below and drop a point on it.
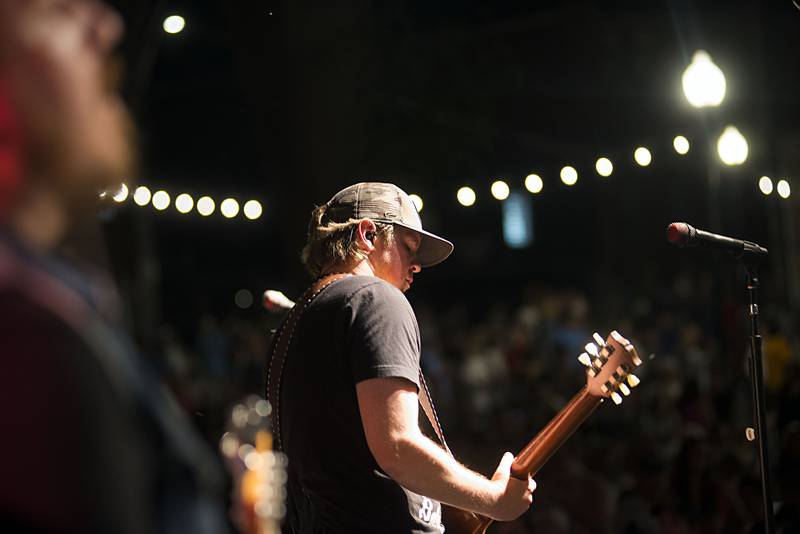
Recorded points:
(609, 366)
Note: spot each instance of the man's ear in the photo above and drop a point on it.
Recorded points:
(366, 232)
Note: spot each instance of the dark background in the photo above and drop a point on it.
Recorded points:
(289, 101)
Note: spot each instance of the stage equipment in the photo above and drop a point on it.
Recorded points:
(751, 254)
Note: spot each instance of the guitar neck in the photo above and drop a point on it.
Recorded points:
(530, 459)
(558, 430)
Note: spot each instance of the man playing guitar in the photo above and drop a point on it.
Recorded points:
(343, 377)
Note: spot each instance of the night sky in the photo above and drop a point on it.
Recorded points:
(289, 101)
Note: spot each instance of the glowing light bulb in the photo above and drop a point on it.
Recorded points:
(569, 175)
(142, 196)
(229, 208)
(252, 209)
(765, 185)
(732, 147)
(681, 145)
(205, 206)
(534, 183)
(784, 190)
(122, 193)
(703, 82)
(466, 196)
(500, 190)
(174, 24)
(160, 200)
(184, 203)
(642, 156)
(604, 167)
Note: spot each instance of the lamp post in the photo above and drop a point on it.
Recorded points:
(704, 86)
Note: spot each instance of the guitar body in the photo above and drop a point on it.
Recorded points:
(459, 521)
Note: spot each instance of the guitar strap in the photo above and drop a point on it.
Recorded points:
(430, 412)
(280, 347)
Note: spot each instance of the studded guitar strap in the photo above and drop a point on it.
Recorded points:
(280, 347)
(430, 412)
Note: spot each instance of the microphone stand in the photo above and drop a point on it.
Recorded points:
(757, 379)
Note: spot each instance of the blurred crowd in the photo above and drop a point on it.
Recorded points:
(672, 458)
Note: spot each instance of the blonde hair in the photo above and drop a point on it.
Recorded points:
(331, 243)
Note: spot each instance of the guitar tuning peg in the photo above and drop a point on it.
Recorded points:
(599, 340)
(616, 398)
(624, 389)
(585, 359)
(633, 380)
(591, 348)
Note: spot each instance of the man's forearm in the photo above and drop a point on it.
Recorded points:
(423, 467)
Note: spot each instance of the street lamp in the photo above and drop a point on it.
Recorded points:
(703, 82)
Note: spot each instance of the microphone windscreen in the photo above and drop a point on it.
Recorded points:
(678, 233)
(276, 301)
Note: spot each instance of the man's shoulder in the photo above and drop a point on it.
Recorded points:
(362, 296)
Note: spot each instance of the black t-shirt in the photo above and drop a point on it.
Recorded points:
(358, 328)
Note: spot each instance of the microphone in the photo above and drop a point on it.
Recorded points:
(276, 301)
(685, 235)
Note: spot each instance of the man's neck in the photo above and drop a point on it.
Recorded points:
(39, 219)
(358, 268)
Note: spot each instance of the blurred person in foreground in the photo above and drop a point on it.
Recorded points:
(347, 403)
(90, 441)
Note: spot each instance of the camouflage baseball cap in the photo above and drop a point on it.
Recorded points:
(387, 203)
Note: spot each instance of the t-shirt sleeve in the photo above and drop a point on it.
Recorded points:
(383, 336)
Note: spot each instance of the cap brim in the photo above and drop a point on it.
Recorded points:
(433, 249)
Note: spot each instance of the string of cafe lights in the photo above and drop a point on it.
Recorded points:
(732, 148)
(184, 203)
(703, 83)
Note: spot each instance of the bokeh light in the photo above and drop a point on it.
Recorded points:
(174, 24)
(534, 183)
(604, 167)
(160, 200)
(252, 209)
(466, 196)
(122, 194)
(141, 196)
(500, 190)
(205, 206)
(681, 145)
(784, 190)
(229, 208)
(642, 156)
(243, 299)
(569, 175)
(732, 146)
(184, 203)
(765, 185)
(703, 82)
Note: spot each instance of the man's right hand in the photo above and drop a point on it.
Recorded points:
(514, 496)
